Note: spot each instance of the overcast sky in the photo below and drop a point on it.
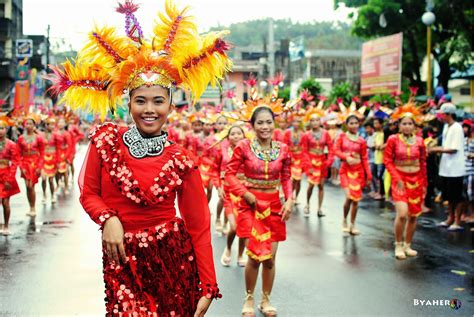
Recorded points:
(72, 19)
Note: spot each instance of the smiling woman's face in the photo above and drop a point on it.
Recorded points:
(149, 108)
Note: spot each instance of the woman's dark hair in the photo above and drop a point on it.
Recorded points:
(350, 117)
(257, 111)
(369, 123)
(380, 120)
(237, 127)
(427, 130)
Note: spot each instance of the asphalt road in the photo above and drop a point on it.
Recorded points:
(51, 265)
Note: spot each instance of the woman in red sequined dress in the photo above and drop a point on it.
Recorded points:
(405, 159)
(50, 167)
(31, 147)
(76, 137)
(261, 219)
(64, 155)
(9, 160)
(355, 172)
(318, 151)
(231, 201)
(292, 139)
(154, 262)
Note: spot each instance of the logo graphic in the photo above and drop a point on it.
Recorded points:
(455, 304)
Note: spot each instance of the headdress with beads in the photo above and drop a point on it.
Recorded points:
(409, 110)
(110, 65)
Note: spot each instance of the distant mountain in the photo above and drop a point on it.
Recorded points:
(318, 35)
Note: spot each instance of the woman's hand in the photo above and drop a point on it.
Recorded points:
(250, 199)
(286, 210)
(7, 186)
(202, 306)
(400, 186)
(221, 193)
(112, 237)
(350, 160)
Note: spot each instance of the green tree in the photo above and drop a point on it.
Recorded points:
(313, 87)
(452, 38)
(284, 94)
(342, 90)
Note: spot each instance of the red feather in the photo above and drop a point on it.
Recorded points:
(127, 7)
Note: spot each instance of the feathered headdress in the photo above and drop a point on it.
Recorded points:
(110, 65)
(409, 110)
(352, 110)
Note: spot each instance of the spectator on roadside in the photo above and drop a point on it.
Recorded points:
(370, 139)
(430, 140)
(452, 167)
(379, 146)
(468, 127)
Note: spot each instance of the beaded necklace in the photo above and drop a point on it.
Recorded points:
(266, 155)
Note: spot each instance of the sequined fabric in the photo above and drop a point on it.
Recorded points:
(160, 278)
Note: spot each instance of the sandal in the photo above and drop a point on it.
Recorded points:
(265, 307)
(306, 211)
(321, 213)
(226, 257)
(247, 309)
(353, 231)
(241, 261)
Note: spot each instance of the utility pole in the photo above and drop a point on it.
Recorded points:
(271, 49)
(47, 47)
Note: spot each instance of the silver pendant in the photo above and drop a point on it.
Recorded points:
(140, 147)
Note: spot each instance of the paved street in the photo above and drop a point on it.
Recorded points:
(52, 266)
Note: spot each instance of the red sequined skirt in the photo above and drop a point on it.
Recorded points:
(297, 166)
(230, 203)
(62, 162)
(160, 278)
(28, 167)
(353, 179)
(50, 164)
(5, 177)
(317, 169)
(413, 192)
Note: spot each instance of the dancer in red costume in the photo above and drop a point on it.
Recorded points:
(50, 167)
(207, 164)
(76, 137)
(64, 155)
(279, 133)
(261, 219)
(292, 138)
(231, 201)
(405, 159)
(314, 143)
(212, 152)
(9, 160)
(355, 172)
(154, 263)
(31, 147)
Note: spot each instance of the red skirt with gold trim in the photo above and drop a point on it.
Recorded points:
(5, 177)
(317, 170)
(50, 164)
(160, 278)
(231, 203)
(297, 166)
(209, 173)
(353, 178)
(261, 226)
(62, 162)
(413, 192)
(28, 167)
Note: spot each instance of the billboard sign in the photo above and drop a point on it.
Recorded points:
(382, 65)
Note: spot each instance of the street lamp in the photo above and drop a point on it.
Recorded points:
(428, 19)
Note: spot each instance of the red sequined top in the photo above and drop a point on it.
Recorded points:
(293, 140)
(66, 143)
(316, 147)
(400, 153)
(53, 140)
(278, 135)
(259, 173)
(195, 144)
(346, 147)
(33, 149)
(10, 158)
(142, 192)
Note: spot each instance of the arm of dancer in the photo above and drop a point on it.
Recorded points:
(389, 157)
(285, 175)
(194, 209)
(330, 146)
(236, 187)
(365, 159)
(91, 189)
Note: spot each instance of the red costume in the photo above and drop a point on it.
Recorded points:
(52, 144)
(64, 150)
(263, 225)
(399, 153)
(353, 177)
(316, 161)
(76, 137)
(231, 201)
(177, 135)
(161, 247)
(279, 135)
(194, 143)
(9, 160)
(293, 140)
(32, 156)
(208, 165)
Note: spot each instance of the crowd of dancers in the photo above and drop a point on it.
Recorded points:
(43, 149)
